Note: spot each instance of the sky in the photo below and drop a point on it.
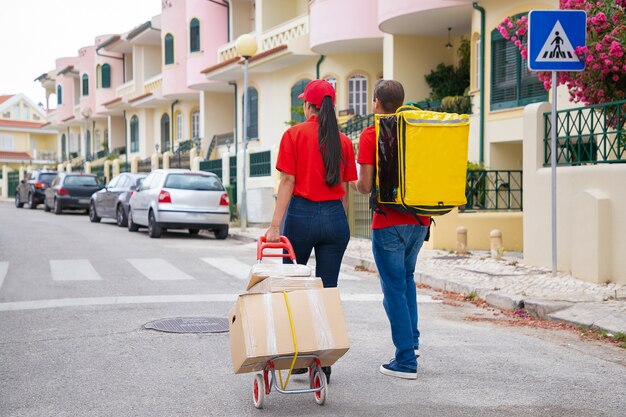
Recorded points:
(34, 33)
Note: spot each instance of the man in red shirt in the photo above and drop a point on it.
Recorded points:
(396, 240)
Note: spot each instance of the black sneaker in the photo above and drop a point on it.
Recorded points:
(327, 371)
(399, 371)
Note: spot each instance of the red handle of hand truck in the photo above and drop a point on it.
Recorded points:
(284, 243)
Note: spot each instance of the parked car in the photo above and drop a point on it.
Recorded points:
(112, 201)
(180, 199)
(70, 191)
(32, 189)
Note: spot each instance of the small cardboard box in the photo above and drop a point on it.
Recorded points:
(260, 329)
(259, 272)
(277, 284)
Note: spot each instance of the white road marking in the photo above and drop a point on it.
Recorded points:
(156, 269)
(73, 270)
(156, 299)
(4, 268)
(348, 277)
(230, 266)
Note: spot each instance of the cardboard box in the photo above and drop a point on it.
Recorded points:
(279, 284)
(260, 329)
(259, 272)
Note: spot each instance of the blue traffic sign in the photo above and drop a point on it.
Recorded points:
(553, 36)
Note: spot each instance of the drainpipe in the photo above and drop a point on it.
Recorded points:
(234, 84)
(175, 102)
(482, 81)
(317, 66)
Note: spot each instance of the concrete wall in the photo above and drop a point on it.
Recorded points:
(590, 206)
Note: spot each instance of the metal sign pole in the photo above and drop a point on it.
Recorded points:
(553, 139)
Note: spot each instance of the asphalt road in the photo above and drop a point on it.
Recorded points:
(74, 297)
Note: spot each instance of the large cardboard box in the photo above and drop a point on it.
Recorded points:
(259, 272)
(260, 328)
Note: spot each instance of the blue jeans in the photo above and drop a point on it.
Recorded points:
(322, 226)
(395, 252)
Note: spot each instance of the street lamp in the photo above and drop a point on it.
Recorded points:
(246, 47)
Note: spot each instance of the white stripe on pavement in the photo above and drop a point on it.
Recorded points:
(4, 268)
(155, 299)
(156, 269)
(348, 277)
(73, 270)
(230, 266)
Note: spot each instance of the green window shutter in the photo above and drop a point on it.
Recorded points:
(106, 76)
(252, 122)
(165, 132)
(59, 95)
(194, 35)
(134, 134)
(85, 85)
(169, 49)
(296, 90)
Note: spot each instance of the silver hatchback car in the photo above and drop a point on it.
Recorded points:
(180, 199)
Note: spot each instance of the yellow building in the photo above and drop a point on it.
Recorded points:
(25, 136)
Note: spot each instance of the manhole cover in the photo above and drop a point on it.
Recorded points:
(189, 325)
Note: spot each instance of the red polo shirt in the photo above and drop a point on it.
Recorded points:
(367, 156)
(299, 156)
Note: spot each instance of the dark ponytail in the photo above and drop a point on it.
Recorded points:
(329, 142)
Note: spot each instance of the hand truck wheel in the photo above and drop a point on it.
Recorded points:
(320, 396)
(258, 391)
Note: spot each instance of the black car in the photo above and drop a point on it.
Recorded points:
(112, 201)
(71, 191)
(32, 189)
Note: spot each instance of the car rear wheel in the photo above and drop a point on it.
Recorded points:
(221, 233)
(93, 215)
(194, 231)
(132, 226)
(31, 201)
(17, 201)
(120, 216)
(57, 207)
(154, 230)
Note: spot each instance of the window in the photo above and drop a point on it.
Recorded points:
(63, 145)
(512, 84)
(296, 103)
(165, 132)
(134, 134)
(6, 143)
(25, 113)
(195, 124)
(98, 139)
(252, 124)
(194, 35)
(169, 49)
(179, 126)
(16, 112)
(106, 76)
(85, 85)
(357, 94)
(332, 81)
(6, 115)
(59, 95)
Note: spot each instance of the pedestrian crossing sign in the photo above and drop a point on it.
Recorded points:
(553, 36)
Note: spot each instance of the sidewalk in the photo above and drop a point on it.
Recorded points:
(506, 284)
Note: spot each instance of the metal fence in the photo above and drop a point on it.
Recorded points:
(260, 164)
(588, 135)
(353, 127)
(99, 172)
(214, 166)
(180, 160)
(233, 176)
(145, 165)
(493, 190)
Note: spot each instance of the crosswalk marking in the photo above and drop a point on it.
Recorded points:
(155, 299)
(156, 269)
(4, 268)
(73, 270)
(230, 266)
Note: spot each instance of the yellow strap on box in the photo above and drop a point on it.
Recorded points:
(295, 346)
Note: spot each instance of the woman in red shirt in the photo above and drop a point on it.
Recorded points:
(315, 160)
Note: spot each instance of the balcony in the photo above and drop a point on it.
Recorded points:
(126, 89)
(153, 84)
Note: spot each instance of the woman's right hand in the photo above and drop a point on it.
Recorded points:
(272, 234)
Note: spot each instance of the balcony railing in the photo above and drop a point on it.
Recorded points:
(493, 190)
(588, 135)
(284, 33)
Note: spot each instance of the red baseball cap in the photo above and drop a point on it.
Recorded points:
(316, 90)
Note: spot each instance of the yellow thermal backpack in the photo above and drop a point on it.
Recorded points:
(421, 160)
